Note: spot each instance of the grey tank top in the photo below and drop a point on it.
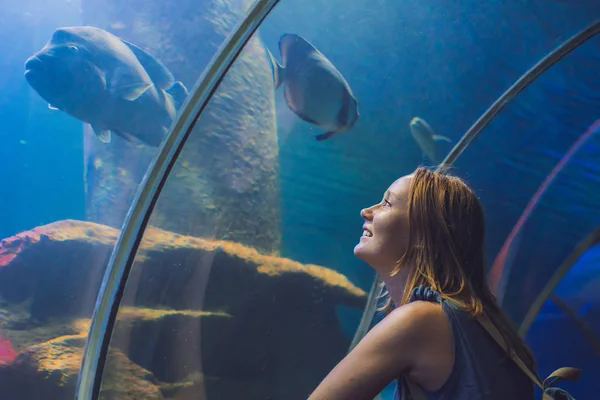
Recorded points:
(482, 371)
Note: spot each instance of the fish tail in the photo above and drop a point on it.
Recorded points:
(277, 70)
(178, 92)
(438, 138)
(325, 136)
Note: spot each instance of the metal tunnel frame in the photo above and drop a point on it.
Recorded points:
(123, 255)
(525, 80)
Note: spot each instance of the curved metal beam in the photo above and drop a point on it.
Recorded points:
(123, 255)
(525, 80)
(590, 240)
(367, 317)
(580, 324)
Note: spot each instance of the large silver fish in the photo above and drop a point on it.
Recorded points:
(426, 138)
(107, 82)
(314, 89)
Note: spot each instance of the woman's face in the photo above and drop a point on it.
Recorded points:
(385, 231)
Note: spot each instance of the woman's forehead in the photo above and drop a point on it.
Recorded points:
(400, 186)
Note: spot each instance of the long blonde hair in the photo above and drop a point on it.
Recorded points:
(446, 250)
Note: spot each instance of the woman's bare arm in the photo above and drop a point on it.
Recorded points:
(395, 346)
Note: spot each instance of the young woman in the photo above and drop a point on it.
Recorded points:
(426, 240)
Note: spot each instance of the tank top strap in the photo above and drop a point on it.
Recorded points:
(424, 293)
(452, 310)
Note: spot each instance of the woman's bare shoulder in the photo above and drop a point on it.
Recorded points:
(424, 327)
(415, 318)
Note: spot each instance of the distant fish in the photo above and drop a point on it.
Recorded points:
(314, 89)
(107, 82)
(426, 138)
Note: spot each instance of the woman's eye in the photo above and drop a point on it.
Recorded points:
(386, 203)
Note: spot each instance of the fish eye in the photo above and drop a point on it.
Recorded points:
(73, 48)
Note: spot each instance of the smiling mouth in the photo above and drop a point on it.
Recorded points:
(366, 233)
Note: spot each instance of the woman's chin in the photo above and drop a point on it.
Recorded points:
(359, 250)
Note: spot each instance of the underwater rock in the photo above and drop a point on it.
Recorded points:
(196, 311)
(50, 358)
(226, 181)
(49, 371)
(56, 268)
(49, 265)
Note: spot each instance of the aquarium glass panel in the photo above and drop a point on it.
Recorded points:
(571, 313)
(88, 89)
(230, 311)
(538, 177)
(546, 189)
(244, 307)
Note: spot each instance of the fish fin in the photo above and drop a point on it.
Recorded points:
(101, 74)
(132, 91)
(51, 107)
(326, 135)
(277, 70)
(178, 92)
(127, 137)
(347, 111)
(284, 42)
(351, 114)
(342, 116)
(438, 138)
(102, 134)
(157, 71)
(304, 117)
(292, 106)
(301, 46)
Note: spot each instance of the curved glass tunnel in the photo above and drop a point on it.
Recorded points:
(244, 283)
(571, 313)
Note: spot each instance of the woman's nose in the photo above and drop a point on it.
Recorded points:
(366, 213)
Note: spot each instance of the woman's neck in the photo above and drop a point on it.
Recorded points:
(395, 285)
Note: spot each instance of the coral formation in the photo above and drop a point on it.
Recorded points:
(199, 317)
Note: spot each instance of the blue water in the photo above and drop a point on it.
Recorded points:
(41, 150)
(443, 61)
